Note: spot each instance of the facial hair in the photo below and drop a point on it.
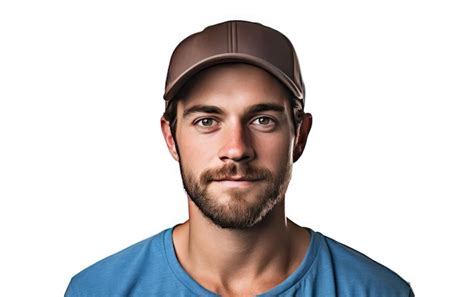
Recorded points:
(237, 213)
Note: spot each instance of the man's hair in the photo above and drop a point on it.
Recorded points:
(170, 113)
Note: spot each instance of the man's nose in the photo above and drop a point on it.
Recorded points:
(236, 144)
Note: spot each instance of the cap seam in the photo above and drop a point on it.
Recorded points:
(229, 39)
(236, 43)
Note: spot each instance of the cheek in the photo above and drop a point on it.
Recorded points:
(274, 150)
(195, 150)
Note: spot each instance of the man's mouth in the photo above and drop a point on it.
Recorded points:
(236, 178)
(236, 181)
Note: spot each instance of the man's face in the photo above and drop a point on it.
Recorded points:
(234, 138)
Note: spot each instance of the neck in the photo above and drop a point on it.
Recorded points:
(225, 260)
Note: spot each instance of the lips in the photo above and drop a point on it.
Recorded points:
(236, 181)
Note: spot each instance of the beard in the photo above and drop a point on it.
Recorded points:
(237, 212)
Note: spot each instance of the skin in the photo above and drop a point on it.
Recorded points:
(250, 260)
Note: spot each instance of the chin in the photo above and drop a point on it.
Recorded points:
(238, 210)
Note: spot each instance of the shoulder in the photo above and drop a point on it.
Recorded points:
(355, 272)
(121, 271)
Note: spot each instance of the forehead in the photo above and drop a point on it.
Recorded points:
(233, 86)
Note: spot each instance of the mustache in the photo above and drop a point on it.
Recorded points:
(231, 170)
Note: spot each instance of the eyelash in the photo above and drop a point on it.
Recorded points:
(200, 121)
(272, 121)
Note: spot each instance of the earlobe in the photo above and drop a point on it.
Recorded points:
(168, 136)
(302, 136)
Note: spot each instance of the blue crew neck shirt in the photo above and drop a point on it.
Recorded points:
(150, 268)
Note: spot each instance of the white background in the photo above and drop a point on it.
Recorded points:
(388, 169)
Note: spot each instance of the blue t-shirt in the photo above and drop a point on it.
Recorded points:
(150, 268)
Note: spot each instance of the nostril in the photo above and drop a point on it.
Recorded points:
(236, 154)
(237, 151)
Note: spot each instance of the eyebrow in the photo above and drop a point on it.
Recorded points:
(266, 107)
(202, 108)
(212, 109)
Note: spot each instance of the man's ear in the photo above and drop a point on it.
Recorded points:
(166, 129)
(302, 136)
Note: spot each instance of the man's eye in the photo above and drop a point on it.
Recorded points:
(263, 121)
(207, 122)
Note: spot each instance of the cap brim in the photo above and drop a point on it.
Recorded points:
(178, 83)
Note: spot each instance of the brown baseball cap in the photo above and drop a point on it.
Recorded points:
(235, 41)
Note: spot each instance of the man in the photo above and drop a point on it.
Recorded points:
(234, 121)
